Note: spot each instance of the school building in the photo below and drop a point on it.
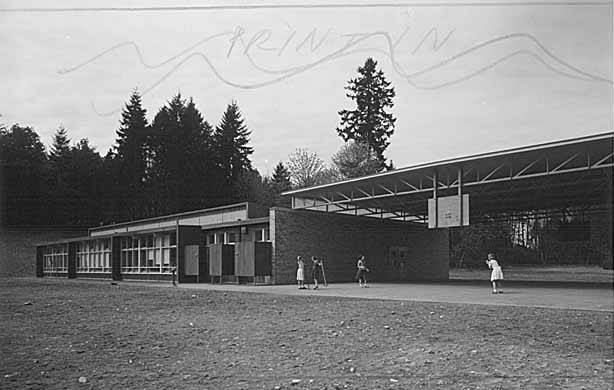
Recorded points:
(244, 243)
(399, 220)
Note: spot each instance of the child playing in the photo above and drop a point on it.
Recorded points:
(300, 273)
(496, 276)
(316, 270)
(361, 274)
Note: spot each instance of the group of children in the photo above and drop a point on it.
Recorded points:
(317, 271)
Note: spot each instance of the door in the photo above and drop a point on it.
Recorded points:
(191, 261)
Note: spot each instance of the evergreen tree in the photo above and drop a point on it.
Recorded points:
(84, 176)
(231, 140)
(251, 187)
(182, 164)
(60, 189)
(22, 177)
(278, 183)
(166, 145)
(109, 197)
(131, 154)
(369, 123)
(201, 190)
(281, 178)
(60, 146)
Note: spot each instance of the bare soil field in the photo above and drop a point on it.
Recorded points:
(569, 273)
(71, 334)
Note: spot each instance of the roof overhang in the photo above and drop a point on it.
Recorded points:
(556, 175)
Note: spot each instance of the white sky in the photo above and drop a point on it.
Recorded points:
(545, 75)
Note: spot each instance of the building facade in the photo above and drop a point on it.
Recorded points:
(190, 244)
(399, 220)
(246, 243)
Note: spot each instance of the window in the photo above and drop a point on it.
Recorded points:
(211, 239)
(230, 237)
(94, 256)
(263, 234)
(55, 259)
(149, 253)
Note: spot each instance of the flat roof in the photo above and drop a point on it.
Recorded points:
(456, 160)
(556, 174)
(247, 222)
(187, 214)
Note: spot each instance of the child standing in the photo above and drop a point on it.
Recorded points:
(174, 272)
(496, 276)
(316, 270)
(361, 274)
(300, 273)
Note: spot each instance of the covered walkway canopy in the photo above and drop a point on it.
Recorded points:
(568, 174)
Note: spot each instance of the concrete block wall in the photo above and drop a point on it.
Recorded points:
(340, 239)
(601, 237)
(18, 247)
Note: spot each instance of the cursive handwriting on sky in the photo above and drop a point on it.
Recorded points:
(468, 79)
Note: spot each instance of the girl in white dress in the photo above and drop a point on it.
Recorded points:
(300, 272)
(496, 276)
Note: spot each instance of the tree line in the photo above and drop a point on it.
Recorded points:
(178, 162)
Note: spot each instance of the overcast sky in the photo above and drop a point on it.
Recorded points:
(468, 79)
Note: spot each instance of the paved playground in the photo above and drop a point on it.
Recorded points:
(559, 296)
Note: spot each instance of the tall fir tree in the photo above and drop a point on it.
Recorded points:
(281, 178)
(201, 189)
(165, 143)
(231, 139)
(85, 179)
(60, 145)
(369, 123)
(280, 182)
(181, 158)
(23, 169)
(251, 187)
(61, 192)
(131, 157)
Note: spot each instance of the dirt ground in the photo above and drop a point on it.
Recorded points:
(57, 332)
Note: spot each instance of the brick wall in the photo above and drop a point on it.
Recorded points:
(340, 239)
(601, 237)
(18, 247)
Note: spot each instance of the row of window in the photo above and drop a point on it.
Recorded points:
(150, 253)
(154, 240)
(232, 237)
(55, 259)
(94, 256)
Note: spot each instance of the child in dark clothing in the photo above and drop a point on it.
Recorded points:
(316, 270)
